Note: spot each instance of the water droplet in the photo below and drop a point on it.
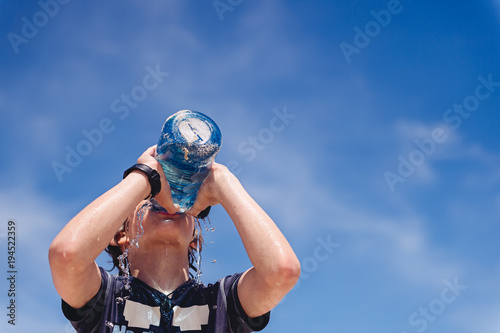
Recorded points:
(123, 258)
(198, 253)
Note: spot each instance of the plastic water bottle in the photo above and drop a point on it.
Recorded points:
(187, 147)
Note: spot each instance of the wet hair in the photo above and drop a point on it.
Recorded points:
(115, 251)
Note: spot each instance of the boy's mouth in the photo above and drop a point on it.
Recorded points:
(157, 208)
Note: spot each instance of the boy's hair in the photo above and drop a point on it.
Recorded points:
(114, 251)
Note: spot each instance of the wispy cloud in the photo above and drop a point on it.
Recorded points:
(303, 206)
(37, 222)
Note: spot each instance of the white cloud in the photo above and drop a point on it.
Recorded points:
(479, 318)
(45, 128)
(37, 222)
(304, 207)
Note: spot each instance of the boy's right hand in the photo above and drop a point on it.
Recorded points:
(164, 198)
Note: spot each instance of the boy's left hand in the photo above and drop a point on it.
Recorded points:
(209, 193)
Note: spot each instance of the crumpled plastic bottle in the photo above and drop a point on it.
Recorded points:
(187, 147)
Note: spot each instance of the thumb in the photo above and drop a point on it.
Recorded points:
(164, 198)
(199, 208)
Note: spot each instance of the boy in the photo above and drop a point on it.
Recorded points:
(159, 296)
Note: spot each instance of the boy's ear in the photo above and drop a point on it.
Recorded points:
(193, 243)
(120, 239)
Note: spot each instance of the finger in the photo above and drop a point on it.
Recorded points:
(195, 208)
(148, 158)
(193, 211)
(199, 213)
(151, 151)
(164, 198)
(198, 206)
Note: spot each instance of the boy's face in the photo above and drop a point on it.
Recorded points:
(160, 228)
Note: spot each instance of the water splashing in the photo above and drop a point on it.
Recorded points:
(197, 228)
(124, 263)
(208, 227)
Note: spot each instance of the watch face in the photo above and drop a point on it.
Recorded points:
(194, 130)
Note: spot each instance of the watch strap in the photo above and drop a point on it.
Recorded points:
(153, 177)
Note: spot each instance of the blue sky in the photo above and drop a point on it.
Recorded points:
(380, 163)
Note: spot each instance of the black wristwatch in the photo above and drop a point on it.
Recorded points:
(153, 177)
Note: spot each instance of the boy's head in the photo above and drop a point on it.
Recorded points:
(159, 227)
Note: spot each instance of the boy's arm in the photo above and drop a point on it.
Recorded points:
(73, 252)
(276, 268)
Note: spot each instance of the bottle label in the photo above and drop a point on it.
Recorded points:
(194, 130)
